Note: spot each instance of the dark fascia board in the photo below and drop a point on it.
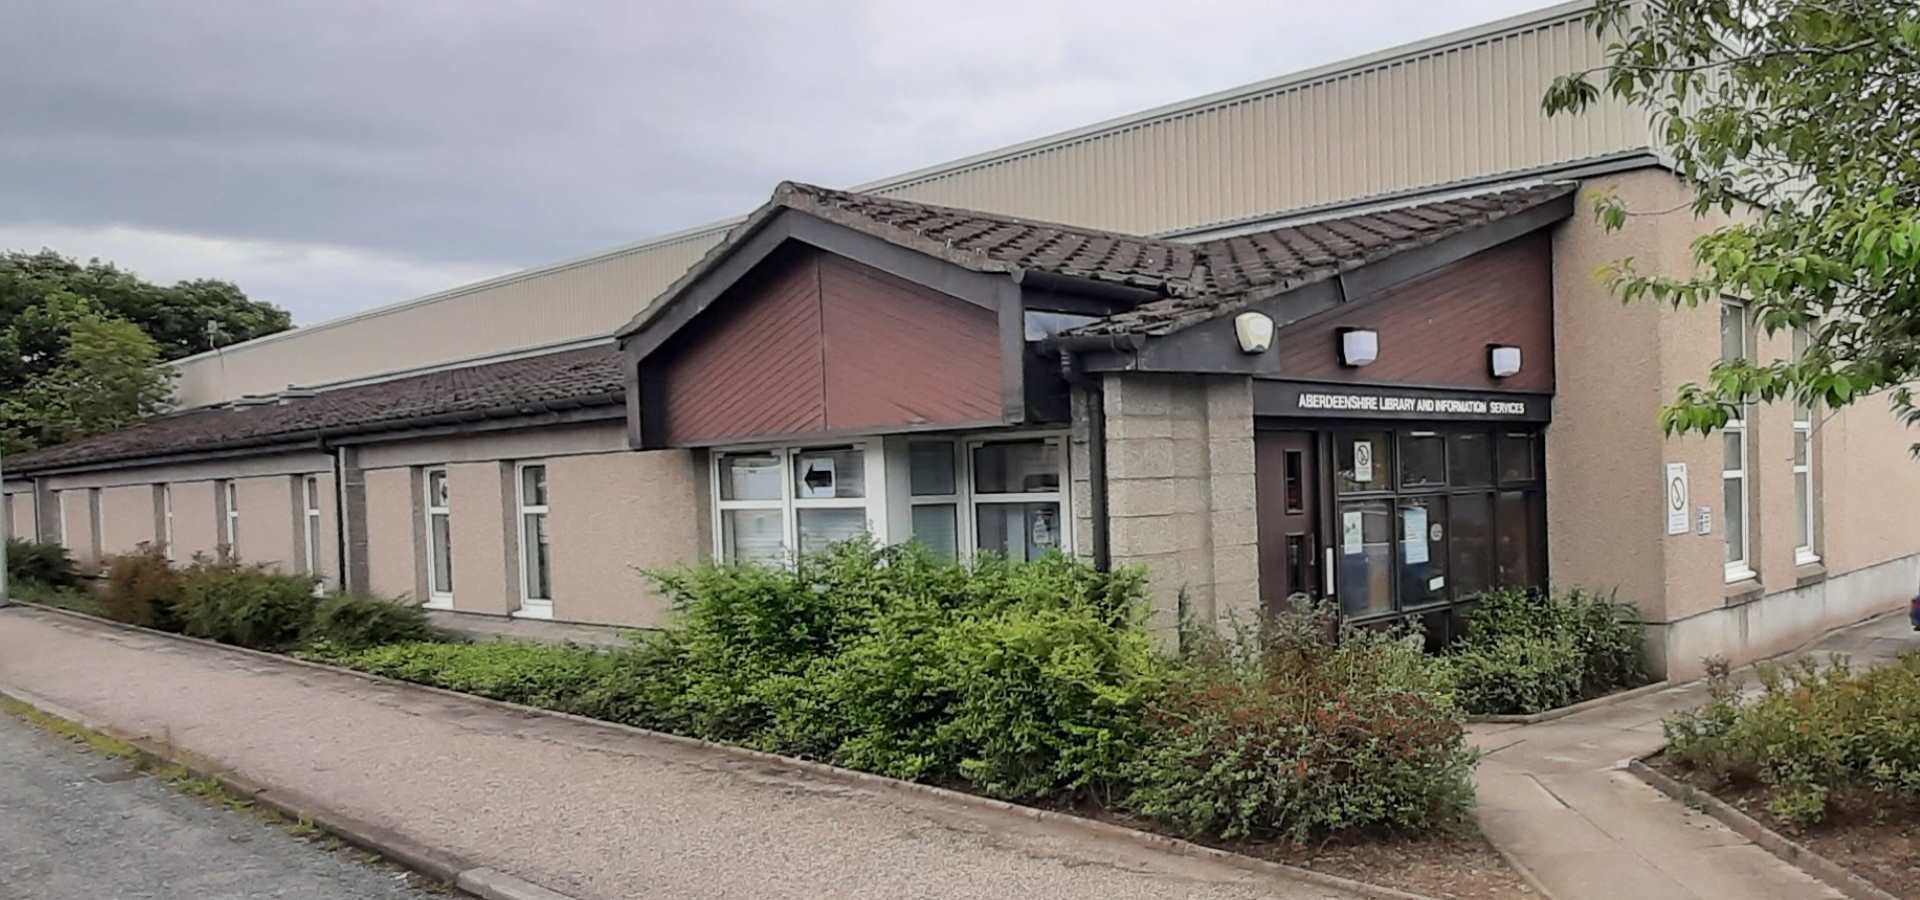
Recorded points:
(828, 437)
(1211, 347)
(600, 412)
(980, 289)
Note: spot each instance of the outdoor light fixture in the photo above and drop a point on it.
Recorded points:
(1254, 330)
(1359, 346)
(1503, 360)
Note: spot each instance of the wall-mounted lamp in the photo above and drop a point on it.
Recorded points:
(1359, 346)
(1254, 331)
(1503, 360)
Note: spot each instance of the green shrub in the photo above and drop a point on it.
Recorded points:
(1527, 651)
(1282, 731)
(547, 676)
(356, 622)
(1817, 737)
(45, 564)
(143, 589)
(248, 605)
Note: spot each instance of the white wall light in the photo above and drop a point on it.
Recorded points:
(1503, 360)
(1254, 331)
(1359, 346)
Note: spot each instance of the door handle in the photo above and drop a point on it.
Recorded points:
(1326, 572)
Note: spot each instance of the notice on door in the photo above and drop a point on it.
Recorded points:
(1677, 500)
(1363, 461)
(1352, 536)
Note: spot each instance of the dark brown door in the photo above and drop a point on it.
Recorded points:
(1287, 494)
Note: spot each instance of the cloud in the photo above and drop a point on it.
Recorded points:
(457, 134)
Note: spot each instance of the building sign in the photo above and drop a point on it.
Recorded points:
(1282, 398)
(1677, 498)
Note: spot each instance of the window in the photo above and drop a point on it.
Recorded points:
(805, 498)
(829, 496)
(439, 540)
(230, 503)
(310, 491)
(536, 554)
(1016, 496)
(60, 505)
(1733, 471)
(1803, 487)
(166, 520)
(934, 482)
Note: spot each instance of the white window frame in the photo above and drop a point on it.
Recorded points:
(230, 506)
(60, 506)
(166, 521)
(1740, 568)
(438, 597)
(532, 607)
(1804, 552)
(877, 503)
(310, 500)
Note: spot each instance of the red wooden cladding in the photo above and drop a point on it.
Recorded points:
(1434, 330)
(814, 342)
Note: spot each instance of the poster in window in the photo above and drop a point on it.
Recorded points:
(1415, 521)
(1043, 527)
(1363, 461)
(816, 478)
(1352, 538)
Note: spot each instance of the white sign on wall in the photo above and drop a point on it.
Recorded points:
(1678, 503)
(1363, 461)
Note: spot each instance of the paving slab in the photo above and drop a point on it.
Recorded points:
(1555, 797)
(593, 812)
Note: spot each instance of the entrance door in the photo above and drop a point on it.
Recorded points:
(1287, 494)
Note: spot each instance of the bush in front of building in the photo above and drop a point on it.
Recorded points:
(47, 565)
(555, 677)
(357, 621)
(1526, 651)
(1821, 740)
(248, 605)
(1281, 730)
(143, 588)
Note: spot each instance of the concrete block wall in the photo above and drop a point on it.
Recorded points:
(1180, 492)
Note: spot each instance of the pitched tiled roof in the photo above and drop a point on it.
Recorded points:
(1195, 281)
(572, 378)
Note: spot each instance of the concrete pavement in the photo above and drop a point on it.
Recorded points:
(81, 826)
(588, 810)
(1555, 797)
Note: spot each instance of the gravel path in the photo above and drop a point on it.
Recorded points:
(75, 825)
(592, 811)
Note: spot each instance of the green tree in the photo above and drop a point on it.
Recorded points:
(106, 375)
(184, 318)
(1803, 116)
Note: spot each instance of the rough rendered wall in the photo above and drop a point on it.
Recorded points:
(391, 523)
(196, 523)
(613, 514)
(1180, 485)
(126, 518)
(266, 533)
(20, 516)
(76, 506)
(1870, 488)
(482, 574)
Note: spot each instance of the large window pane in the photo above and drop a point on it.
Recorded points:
(820, 528)
(930, 464)
(1366, 557)
(1469, 459)
(1518, 523)
(1734, 455)
(1733, 330)
(753, 476)
(1736, 524)
(839, 473)
(442, 554)
(1802, 494)
(1471, 544)
(1364, 460)
(1423, 460)
(533, 485)
(1423, 551)
(936, 525)
(539, 567)
(753, 536)
(1517, 457)
(1018, 531)
(1016, 467)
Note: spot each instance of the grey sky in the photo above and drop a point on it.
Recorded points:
(332, 156)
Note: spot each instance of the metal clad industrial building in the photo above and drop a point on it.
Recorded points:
(1415, 118)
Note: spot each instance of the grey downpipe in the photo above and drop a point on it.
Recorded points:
(1096, 453)
(340, 517)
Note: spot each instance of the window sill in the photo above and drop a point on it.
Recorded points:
(438, 603)
(1743, 591)
(1809, 572)
(533, 610)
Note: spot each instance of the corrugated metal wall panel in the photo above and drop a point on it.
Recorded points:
(1459, 108)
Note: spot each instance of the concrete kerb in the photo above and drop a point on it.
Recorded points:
(434, 863)
(1791, 852)
(1104, 830)
(1564, 711)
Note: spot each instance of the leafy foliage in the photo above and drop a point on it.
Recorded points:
(42, 564)
(1528, 651)
(143, 588)
(550, 677)
(1801, 112)
(1282, 731)
(248, 605)
(107, 375)
(356, 622)
(1818, 737)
